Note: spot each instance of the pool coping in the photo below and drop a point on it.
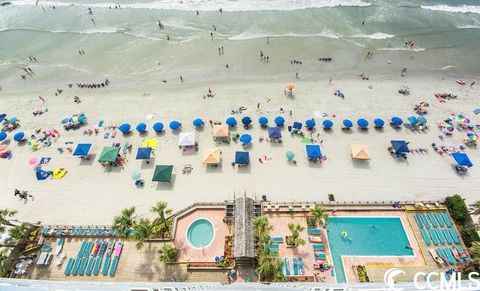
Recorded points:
(211, 240)
(350, 256)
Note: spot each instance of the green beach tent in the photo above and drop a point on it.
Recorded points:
(109, 155)
(163, 173)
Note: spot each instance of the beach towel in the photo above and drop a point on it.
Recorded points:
(43, 162)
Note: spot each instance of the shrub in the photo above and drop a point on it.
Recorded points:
(469, 236)
(457, 208)
(168, 254)
(362, 274)
(311, 222)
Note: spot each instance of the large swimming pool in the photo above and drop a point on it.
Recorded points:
(366, 236)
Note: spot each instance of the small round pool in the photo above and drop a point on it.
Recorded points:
(200, 233)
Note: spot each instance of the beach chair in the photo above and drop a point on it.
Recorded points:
(295, 267)
(96, 266)
(440, 236)
(447, 220)
(318, 247)
(460, 250)
(320, 256)
(301, 269)
(276, 239)
(76, 265)
(83, 264)
(447, 235)
(59, 247)
(68, 268)
(287, 267)
(425, 220)
(433, 220)
(82, 249)
(419, 221)
(106, 264)
(425, 237)
(439, 219)
(314, 231)
(434, 236)
(442, 255)
(91, 262)
(450, 257)
(315, 239)
(113, 267)
(454, 235)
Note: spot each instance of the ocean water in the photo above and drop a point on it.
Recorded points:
(127, 43)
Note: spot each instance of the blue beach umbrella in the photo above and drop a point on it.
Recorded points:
(198, 122)
(144, 153)
(347, 123)
(242, 158)
(82, 118)
(19, 136)
(65, 120)
(421, 120)
(82, 149)
(263, 120)
(327, 123)
(274, 132)
(290, 155)
(462, 159)
(174, 125)
(2, 117)
(231, 121)
(279, 121)
(413, 120)
(158, 126)
(246, 138)
(124, 128)
(3, 135)
(397, 121)
(310, 123)
(313, 151)
(297, 125)
(362, 123)
(400, 146)
(379, 122)
(246, 120)
(141, 127)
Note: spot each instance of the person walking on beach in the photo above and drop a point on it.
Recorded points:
(471, 85)
(296, 75)
(198, 14)
(181, 79)
(219, 51)
(222, 50)
(211, 35)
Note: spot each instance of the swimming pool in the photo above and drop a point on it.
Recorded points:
(366, 236)
(200, 233)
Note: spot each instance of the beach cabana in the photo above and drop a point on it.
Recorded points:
(212, 156)
(82, 149)
(310, 123)
(19, 136)
(379, 122)
(246, 121)
(220, 131)
(186, 139)
(462, 159)
(274, 132)
(400, 146)
(231, 121)
(313, 151)
(3, 135)
(297, 125)
(422, 120)
(279, 121)
(198, 122)
(141, 127)
(242, 158)
(162, 173)
(109, 155)
(263, 121)
(246, 139)
(362, 123)
(158, 127)
(144, 153)
(174, 125)
(124, 128)
(413, 120)
(397, 121)
(327, 124)
(150, 143)
(347, 123)
(360, 152)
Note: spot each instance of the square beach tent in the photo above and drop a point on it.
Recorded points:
(82, 149)
(162, 173)
(109, 155)
(313, 151)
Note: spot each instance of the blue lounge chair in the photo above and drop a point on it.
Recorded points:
(88, 249)
(106, 264)
(320, 256)
(450, 257)
(75, 266)
(89, 269)
(425, 237)
(69, 267)
(83, 264)
(300, 266)
(448, 222)
(442, 255)
(433, 220)
(419, 221)
(440, 236)
(287, 267)
(439, 219)
(319, 247)
(113, 266)
(295, 267)
(96, 267)
(447, 235)
(425, 220)
(273, 246)
(82, 248)
(454, 235)
(434, 236)
(314, 231)
(276, 239)
(460, 250)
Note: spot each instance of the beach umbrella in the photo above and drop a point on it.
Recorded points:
(263, 120)
(462, 159)
(19, 136)
(162, 173)
(347, 123)
(362, 123)
(124, 128)
(413, 120)
(274, 132)
(449, 127)
(397, 121)
(82, 118)
(231, 121)
(290, 86)
(3, 135)
(65, 120)
(109, 154)
(379, 122)
(279, 121)
(211, 156)
(220, 130)
(12, 120)
(136, 175)
(246, 139)
(150, 143)
(144, 153)
(198, 122)
(360, 152)
(472, 136)
(297, 125)
(313, 151)
(2, 117)
(82, 149)
(400, 146)
(33, 161)
(186, 139)
(242, 158)
(327, 123)
(158, 126)
(310, 123)
(141, 127)
(174, 125)
(421, 120)
(41, 174)
(461, 119)
(290, 155)
(246, 120)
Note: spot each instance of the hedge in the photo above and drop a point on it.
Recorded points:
(457, 208)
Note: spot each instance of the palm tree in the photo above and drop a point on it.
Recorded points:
(124, 222)
(5, 216)
(475, 251)
(266, 262)
(279, 276)
(168, 254)
(319, 214)
(475, 208)
(295, 239)
(162, 223)
(261, 229)
(142, 230)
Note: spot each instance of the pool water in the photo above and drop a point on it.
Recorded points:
(366, 236)
(200, 233)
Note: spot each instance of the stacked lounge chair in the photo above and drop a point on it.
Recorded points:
(91, 261)
(108, 256)
(83, 263)
(78, 260)
(116, 257)
(99, 258)
(69, 266)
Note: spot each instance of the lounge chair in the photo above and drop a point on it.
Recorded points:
(76, 265)
(460, 250)
(319, 247)
(425, 220)
(287, 267)
(447, 235)
(276, 239)
(433, 220)
(315, 239)
(59, 247)
(96, 266)
(300, 266)
(320, 256)
(454, 235)
(434, 236)
(314, 231)
(419, 221)
(113, 266)
(425, 237)
(447, 220)
(295, 267)
(82, 248)
(273, 246)
(439, 219)
(106, 264)
(83, 264)
(440, 236)
(91, 262)
(69, 266)
(442, 255)
(450, 257)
